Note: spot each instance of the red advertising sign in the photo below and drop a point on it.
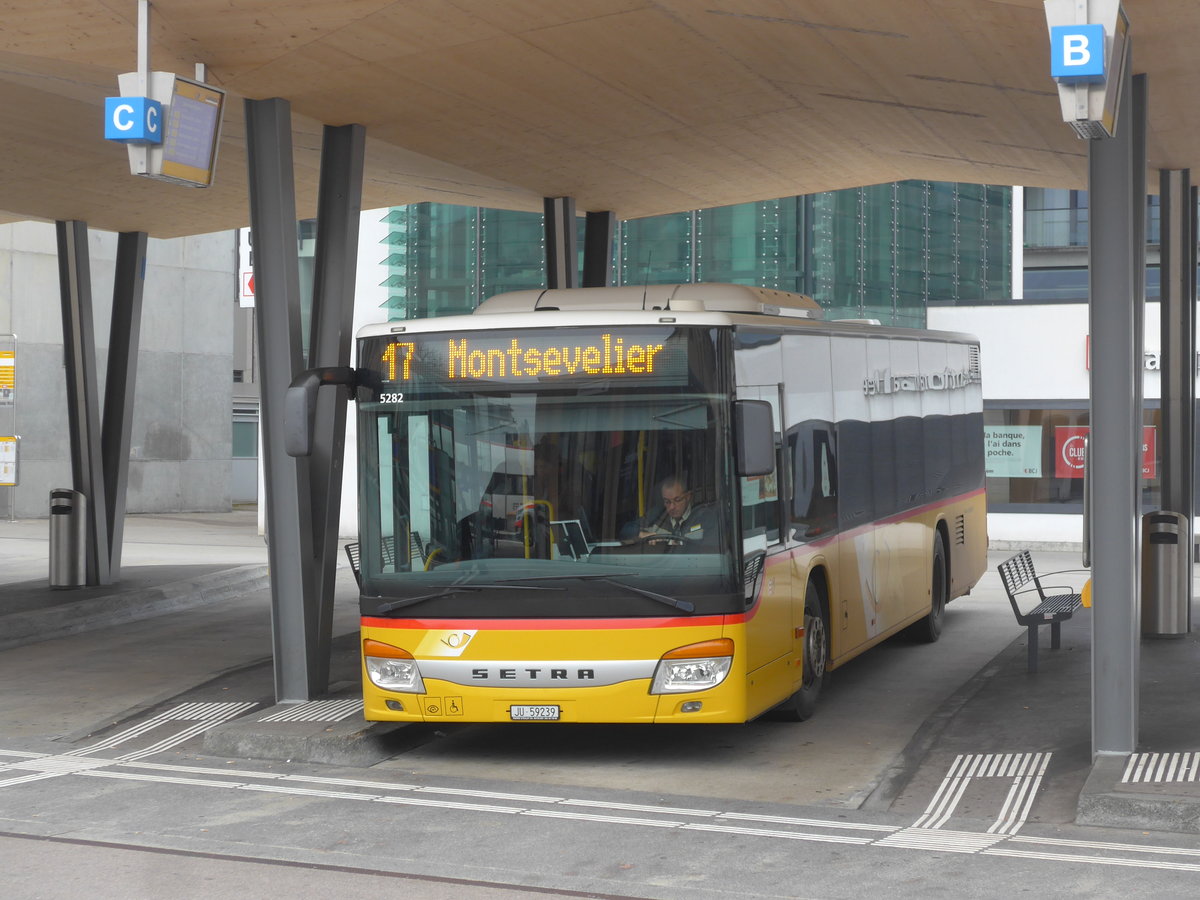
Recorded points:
(1069, 453)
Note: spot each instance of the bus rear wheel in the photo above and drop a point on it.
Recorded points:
(802, 704)
(929, 629)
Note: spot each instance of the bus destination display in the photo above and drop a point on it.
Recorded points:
(533, 355)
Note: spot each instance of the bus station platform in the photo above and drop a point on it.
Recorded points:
(189, 621)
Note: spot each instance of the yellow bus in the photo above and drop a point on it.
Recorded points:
(824, 479)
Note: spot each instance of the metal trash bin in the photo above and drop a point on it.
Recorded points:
(1166, 574)
(68, 558)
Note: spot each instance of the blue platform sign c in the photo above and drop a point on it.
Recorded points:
(1077, 53)
(132, 120)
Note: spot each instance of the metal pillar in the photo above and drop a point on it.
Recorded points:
(277, 314)
(598, 231)
(1178, 328)
(83, 402)
(1116, 266)
(338, 207)
(562, 255)
(124, 333)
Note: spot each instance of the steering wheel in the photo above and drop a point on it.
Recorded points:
(659, 542)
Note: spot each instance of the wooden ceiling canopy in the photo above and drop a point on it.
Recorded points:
(641, 107)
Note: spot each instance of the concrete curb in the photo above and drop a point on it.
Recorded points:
(1037, 546)
(92, 613)
(351, 742)
(1105, 803)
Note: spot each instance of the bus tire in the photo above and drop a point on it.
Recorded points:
(929, 629)
(815, 656)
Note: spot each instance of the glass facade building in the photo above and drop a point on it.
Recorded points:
(884, 252)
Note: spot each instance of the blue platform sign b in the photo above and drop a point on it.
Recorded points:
(1077, 53)
(132, 120)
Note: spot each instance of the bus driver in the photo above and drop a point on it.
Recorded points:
(680, 523)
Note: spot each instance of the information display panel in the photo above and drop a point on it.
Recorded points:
(9, 459)
(192, 133)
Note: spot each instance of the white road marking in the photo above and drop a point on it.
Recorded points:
(205, 715)
(1025, 769)
(24, 779)
(1026, 781)
(317, 711)
(573, 809)
(927, 834)
(934, 839)
(1105, 845)
(1096, 860)
(1161, 768)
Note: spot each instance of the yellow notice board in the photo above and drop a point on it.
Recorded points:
(8, 377)
(8, 460)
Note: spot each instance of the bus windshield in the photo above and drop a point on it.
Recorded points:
(514, 476)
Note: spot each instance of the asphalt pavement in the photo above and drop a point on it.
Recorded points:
(189, 621)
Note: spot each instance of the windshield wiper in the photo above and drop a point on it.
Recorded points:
(447, 591)
(683, 605)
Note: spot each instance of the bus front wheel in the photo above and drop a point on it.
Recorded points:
(802, 704)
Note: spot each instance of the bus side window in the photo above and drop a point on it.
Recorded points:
(814, 466)
(761, 513)
(760, 507)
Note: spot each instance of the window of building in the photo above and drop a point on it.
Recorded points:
(1035, 457)
(1056, 285)
(1069, 285)
(1057, 218)
(245, 440)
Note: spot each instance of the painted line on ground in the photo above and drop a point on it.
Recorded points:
(1025, 769)
(319, 787)
(1161, 768)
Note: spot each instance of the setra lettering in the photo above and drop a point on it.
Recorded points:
(533, 674)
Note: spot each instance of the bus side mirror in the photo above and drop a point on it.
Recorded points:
(300, 405)
(754, 430)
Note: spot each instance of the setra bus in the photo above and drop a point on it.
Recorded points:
(513, 464)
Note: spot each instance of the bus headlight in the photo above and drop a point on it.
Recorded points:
(391, 668)
(695, 667)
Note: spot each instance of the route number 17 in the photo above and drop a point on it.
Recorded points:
(401, 353)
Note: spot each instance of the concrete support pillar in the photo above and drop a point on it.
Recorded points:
(1117, 271)
(598, 231)
(338, 207)
(119, 384)
(294, 608)
(562, 255)
(83, 398)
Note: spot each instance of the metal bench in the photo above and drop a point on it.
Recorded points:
(1020, 577)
